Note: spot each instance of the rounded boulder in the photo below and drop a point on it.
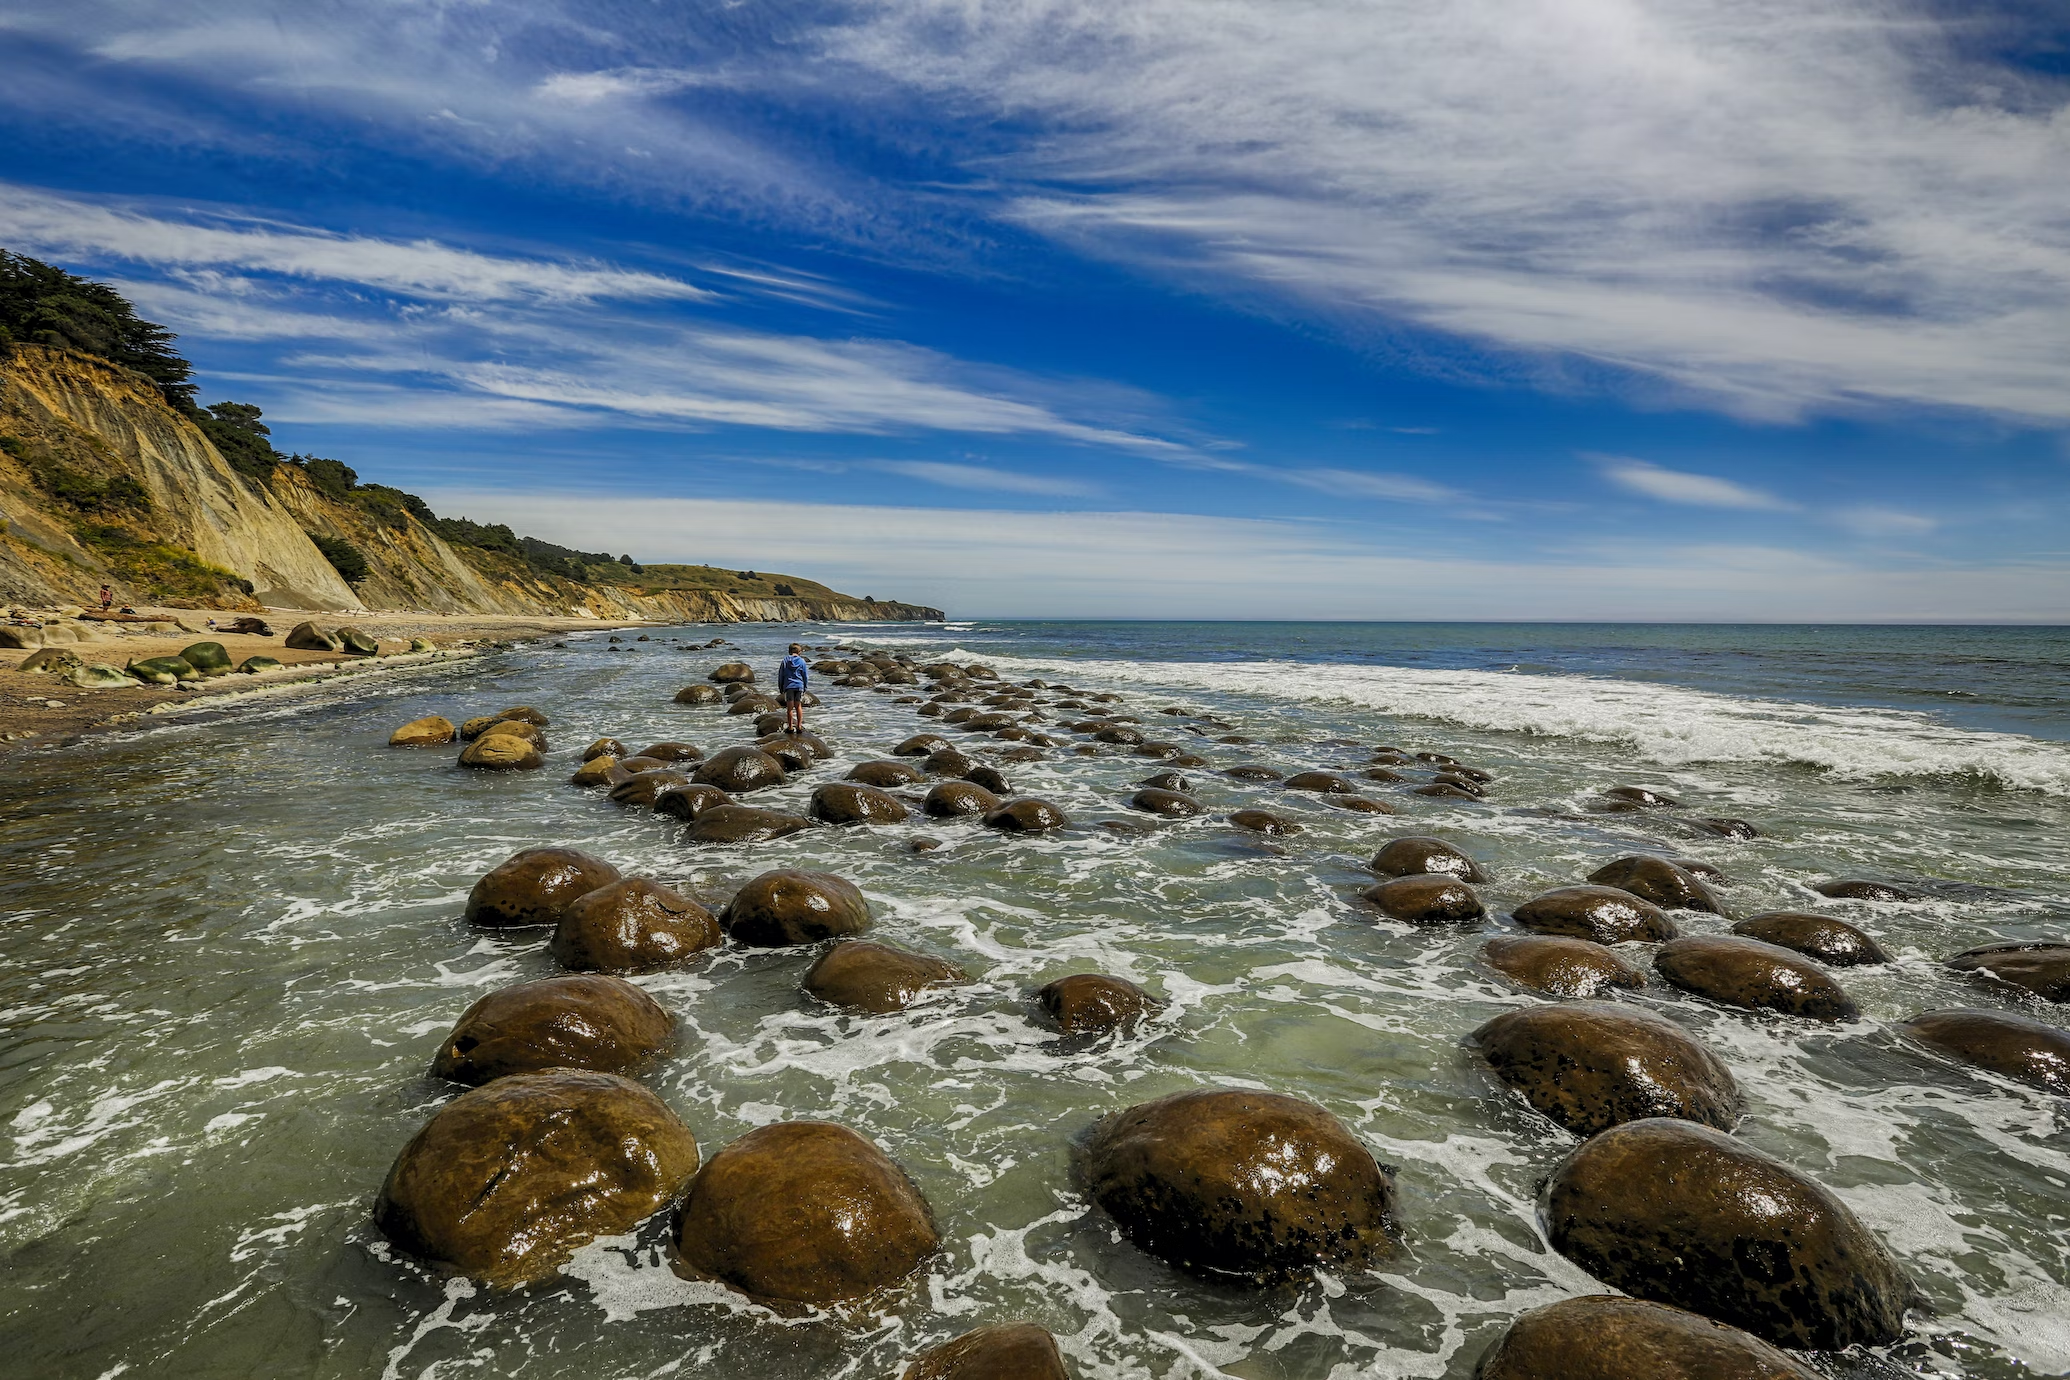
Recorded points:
(1170, 804)
(2017, 1047)
(1411, 857)
(1605, 914)
(1236, 1183)
(743, 824)
(1428, 900)
(868, 976)
(632, 926)
(845, 802)
(430, 731)
(1749, 973)
(594, 1022)
(1028, 815)
(952, 799)
(1682, 1214)
(1264, 822)
(1834, 943)
(1560, 966)
(738, 769)
(2041, 969)
(1665, 884)
(884, 774)
(1607, 1337)
(1591, 1066)
(803, 1213)
(782, 908)
(1009, 1351)
(534, 887)
(1095, 1003)
(734, 673)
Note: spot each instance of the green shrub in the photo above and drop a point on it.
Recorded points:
(88, 494)
(348, 560)
(159, 568)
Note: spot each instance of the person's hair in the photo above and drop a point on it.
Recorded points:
(796, 648)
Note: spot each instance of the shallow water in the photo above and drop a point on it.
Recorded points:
(231, 949)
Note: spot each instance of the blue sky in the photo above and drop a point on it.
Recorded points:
(1717, 309)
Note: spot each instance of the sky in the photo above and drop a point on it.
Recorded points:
(1721, 310)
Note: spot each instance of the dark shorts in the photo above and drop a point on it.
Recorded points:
(793, 696)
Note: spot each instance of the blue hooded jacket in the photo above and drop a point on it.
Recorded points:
(791, 673)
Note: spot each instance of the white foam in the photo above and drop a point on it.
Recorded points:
(1670, 725)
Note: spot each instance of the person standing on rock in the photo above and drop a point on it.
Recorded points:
(791, 675)
(107, 598)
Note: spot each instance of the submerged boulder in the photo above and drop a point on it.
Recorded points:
(504, 1183)
(1431, 899)
(2000, 1042)
(1560, 966)
(1665, 884)
(502, 752)
(431, 731)
(1230, 1182)
(1606, 914)
(641, 789)
(952, 799)
(1320, 782)
(698, 694)
(869, 976)
(1026, 816)
(671, 752)
(782, 908)
(1683, 1214)
(689, 800)
(2041, 968)
(883, 774)
(534, 887)
(632, 926)
(743, 824)
(734, 673)
(1749, 973)
(604, 1024)
(1171, 804)
(738, 769)
(1834, 943)
(1607, 1337)
(1009, 1351)
(1411, 857)
(922, 745)
(1855, 889)
(1591, 1066)
(845, 802)
(803, 1213)
(599, 771)
(1264, 822)
(1094, 1003)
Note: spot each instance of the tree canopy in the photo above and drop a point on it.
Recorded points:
(44, 305)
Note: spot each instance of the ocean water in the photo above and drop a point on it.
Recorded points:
(231, 947)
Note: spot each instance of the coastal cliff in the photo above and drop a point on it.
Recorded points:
(102, 480)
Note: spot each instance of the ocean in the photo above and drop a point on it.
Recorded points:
(233, 943)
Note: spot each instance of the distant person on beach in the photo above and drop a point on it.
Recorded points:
(107, 598)
(791, 675)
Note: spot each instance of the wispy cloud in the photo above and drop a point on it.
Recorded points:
(1401, 488)
(1869, 520)
(984, 478)
(1691, 490)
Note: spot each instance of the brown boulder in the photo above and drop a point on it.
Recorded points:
(1560, 966)
(1026, 816)
(844, 802)
(1857, 890)
(1605, 914)
(506, 1182)
(1591, 1066)
(501, 752)
(1119, 734)
(1657, 880)
(1433, 899)
(673, 752)
(782, 908)
(1322, 782)
(1250, 773)
(2041, 968)
(603, 1024)
(698, 694)
(1411, 857)
(1170, 804)
(1264, 822)
(1605, 1337)
(1749, 973)
(431, 731)
(2017, 1047)
(641, 789)
(1834, 943)
(738, 769)
(1359, 804)
(476, 729)
(950, 799)
(632, 926)
(1009, 1351)
(744, 824)
(604, 747)
(922, 745)
(734, 673)
(882, 774)
(1094, 1003)
(1682, 1214)
(633, 766)
(1642, 797)
(1230, 1182)
(523, 713)
(875, 977)
(534, 887)
(688, 800)
(947, 762)
(803, 1213)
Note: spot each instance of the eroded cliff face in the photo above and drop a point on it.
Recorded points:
(212, 527)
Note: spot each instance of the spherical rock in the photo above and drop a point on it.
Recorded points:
(307, 637)
(991, 778)
(1432, 899)
(599, 771)
(1321, 782)
(474, 730)
(698, 694)
(604, 747)
(782, 908)
(734, 673)
(844, 802)
(1027, 815)
(1834, 943)
(534, 887)
(949, 799)
(1010, 1351)
(1683, 1214)
(922, 745)
(632, 926)
(1559, 966)
(208, 658)
(633, 766)
(1606, 1337)
(884, 774)
(2041, 968)
(2017, 1047)
(524, 714)
(506, 1182)
(1591, 1066)
(1119, 734)
(641, 789)
(603, 1024)
(1170, 804)
(501, 752)
(1643, 797)
(738, 769)
(1856, 890)
(1749, 973)
(1094, 1003)
(947, 762)
(673, 752)
(1264, 822)
(869, 976)
(1248, 773)
(1657, 880)
(803, 1213)
(1230, 1182)
(1606, 914)
(688, 800)
(431, 731)
(1360, 805)
(744, 824)
(1412, 857)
